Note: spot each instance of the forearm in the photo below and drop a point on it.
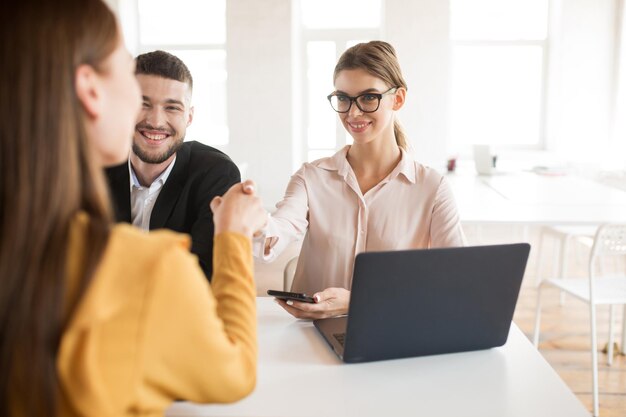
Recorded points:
(277, 236)
(233, 281)
(234, 290)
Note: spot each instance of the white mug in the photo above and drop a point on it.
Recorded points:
(484, 159)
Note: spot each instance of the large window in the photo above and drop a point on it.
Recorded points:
(325, 36)
(194, 31)
(498, 78)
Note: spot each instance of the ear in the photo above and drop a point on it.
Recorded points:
(399, 98)
(88, 90)
(190, 119)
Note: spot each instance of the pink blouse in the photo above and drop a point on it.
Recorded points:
(411, 208)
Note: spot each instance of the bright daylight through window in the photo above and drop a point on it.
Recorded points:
(326, 36)
(498, 72)
(196, 33)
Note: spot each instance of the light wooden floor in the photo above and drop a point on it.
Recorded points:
(564, 340)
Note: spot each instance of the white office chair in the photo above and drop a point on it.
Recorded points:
(609, 241)
(565, 235)
(288, 273)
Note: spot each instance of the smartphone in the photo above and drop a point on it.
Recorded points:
(297, 296)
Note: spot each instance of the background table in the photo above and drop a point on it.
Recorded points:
(530, 199)
(299, 375)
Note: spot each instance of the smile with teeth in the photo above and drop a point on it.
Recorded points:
(359, 125)
(154, 135)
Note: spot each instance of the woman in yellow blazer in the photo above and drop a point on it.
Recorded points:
(97, 319)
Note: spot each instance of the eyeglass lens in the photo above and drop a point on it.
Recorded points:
(365, 102)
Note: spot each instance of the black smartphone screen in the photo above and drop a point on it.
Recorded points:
(285, 295)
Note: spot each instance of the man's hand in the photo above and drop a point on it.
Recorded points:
(239, 210)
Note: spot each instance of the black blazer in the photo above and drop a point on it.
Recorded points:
(199, 174)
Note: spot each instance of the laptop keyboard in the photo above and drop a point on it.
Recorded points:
(341, 337)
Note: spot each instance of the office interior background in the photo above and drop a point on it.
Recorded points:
(542, 81)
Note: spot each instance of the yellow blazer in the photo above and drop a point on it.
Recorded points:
(150, 330)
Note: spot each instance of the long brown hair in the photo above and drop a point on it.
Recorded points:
(379, 59)
(47, 176)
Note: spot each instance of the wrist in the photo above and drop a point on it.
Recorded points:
(225, 227)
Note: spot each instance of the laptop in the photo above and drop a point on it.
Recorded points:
(427, 302)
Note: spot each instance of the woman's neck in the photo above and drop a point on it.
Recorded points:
(373, 161)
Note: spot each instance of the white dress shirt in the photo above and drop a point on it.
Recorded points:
(412, 208)
(142, 198)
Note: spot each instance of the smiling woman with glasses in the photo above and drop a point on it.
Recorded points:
(369, 196)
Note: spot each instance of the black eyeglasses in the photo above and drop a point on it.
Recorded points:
(367, 102)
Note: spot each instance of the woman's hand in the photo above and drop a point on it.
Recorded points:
(328, 303)
(239, 210)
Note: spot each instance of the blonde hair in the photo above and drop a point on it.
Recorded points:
(379, 59)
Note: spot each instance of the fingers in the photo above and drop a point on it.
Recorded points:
(248, 187)
(327, 294)
(292, 310)
(295, 311)
(239, 210)
(329, 303)
(302, 306)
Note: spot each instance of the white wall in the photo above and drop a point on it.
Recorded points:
(618, 140)
(260, 107)
(418, 30)
(583, 62)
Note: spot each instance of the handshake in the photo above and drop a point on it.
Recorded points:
(239, 210)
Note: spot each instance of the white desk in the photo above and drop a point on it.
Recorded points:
(530, 199)
(299, 375)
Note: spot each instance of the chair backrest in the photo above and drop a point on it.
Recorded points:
(610, 240)
(288, 273)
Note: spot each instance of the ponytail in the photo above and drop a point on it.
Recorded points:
(400, 135)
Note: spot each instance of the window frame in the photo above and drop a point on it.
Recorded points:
(542, 144)
(341, 38)
(131, 25)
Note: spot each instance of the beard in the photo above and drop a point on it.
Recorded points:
(158, 158)
(149, 158)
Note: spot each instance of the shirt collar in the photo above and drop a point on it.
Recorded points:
(406, 167)
(134, 182)
(339, 162)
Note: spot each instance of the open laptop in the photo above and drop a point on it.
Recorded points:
(425, 302)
